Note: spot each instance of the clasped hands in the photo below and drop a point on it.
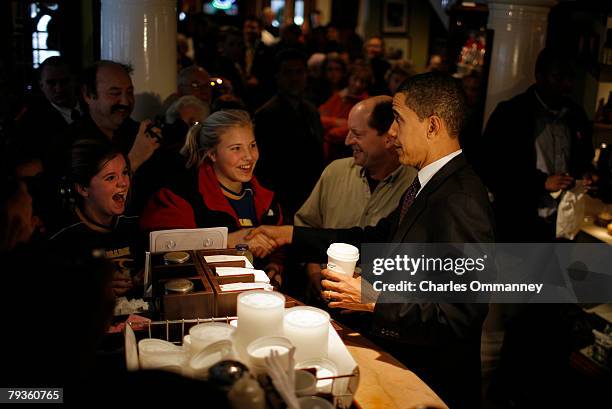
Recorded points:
(262, 240)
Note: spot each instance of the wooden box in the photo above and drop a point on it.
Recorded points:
(198, 303)
(225, 301)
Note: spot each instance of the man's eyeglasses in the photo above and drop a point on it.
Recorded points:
(196, 85)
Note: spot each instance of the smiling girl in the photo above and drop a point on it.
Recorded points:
(220, 189)
(99, 182)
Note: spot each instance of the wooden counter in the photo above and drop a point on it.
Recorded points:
(384, 382)
(592, 208)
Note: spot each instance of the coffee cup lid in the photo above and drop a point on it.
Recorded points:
(343, 251)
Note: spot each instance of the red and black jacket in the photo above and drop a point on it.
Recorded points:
(197, 200)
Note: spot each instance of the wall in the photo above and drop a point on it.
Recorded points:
(419, 13)
(325, 6)
(87, 29)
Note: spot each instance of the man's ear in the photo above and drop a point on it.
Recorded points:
(86, 95)
(81, 190)
(434, 126)
(388, 140)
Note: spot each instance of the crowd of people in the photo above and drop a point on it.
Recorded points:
(261, 136)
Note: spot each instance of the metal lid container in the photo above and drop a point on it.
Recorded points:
(176, 257)
(179, 286)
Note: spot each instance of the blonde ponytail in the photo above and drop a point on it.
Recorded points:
(190, 149)
(204, 137)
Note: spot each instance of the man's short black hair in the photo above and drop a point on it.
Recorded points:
(436, 93)
(550, 58)
(381, 117)
(288, 54)
(54, 61)
(252, 17)
(90, 75)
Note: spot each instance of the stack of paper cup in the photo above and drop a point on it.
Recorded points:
(342, 258)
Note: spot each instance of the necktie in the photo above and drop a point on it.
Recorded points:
(409, 197)
(74, 115)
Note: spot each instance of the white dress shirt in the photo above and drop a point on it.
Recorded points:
(430, 170)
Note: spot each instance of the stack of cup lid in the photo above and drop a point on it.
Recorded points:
(159, 354)
(216, 352)
(202, 335)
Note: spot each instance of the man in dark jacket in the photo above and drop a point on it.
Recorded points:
(447, 203)
(534, 146)
(40, 126)
(289, 136)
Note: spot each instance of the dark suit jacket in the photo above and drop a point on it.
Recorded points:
(39, 130)
(507, 164)
(440, 342)
(290, 145)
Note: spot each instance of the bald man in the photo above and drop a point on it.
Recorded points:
(193, 80)
(372, 180)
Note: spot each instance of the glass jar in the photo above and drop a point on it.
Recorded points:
(242, 249)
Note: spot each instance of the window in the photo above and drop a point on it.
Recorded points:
(42, 14)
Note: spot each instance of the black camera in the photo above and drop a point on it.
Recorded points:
(160, 123)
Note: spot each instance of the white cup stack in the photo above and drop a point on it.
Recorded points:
(260, 313)
(308, 329)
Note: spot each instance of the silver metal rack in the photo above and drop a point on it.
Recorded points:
(179, 328)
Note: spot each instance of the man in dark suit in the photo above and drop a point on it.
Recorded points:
(534, 145)
(42, 122)
(447, 203)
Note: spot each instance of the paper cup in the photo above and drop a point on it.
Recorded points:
(305, 383)
(259, 349)
(342, 258)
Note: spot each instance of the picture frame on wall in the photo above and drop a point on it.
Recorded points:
(394, 17)
(398, 48)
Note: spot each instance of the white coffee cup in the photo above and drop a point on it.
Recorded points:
(342, 258)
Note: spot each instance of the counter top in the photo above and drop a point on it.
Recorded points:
(384, 382)
(592, 208)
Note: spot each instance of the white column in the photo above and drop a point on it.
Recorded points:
(142, 33)
(520, 34)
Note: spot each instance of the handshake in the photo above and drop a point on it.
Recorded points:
(262, 240)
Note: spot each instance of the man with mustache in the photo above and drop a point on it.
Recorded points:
(108, 92)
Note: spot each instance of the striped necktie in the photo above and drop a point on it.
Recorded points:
(409, 197)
